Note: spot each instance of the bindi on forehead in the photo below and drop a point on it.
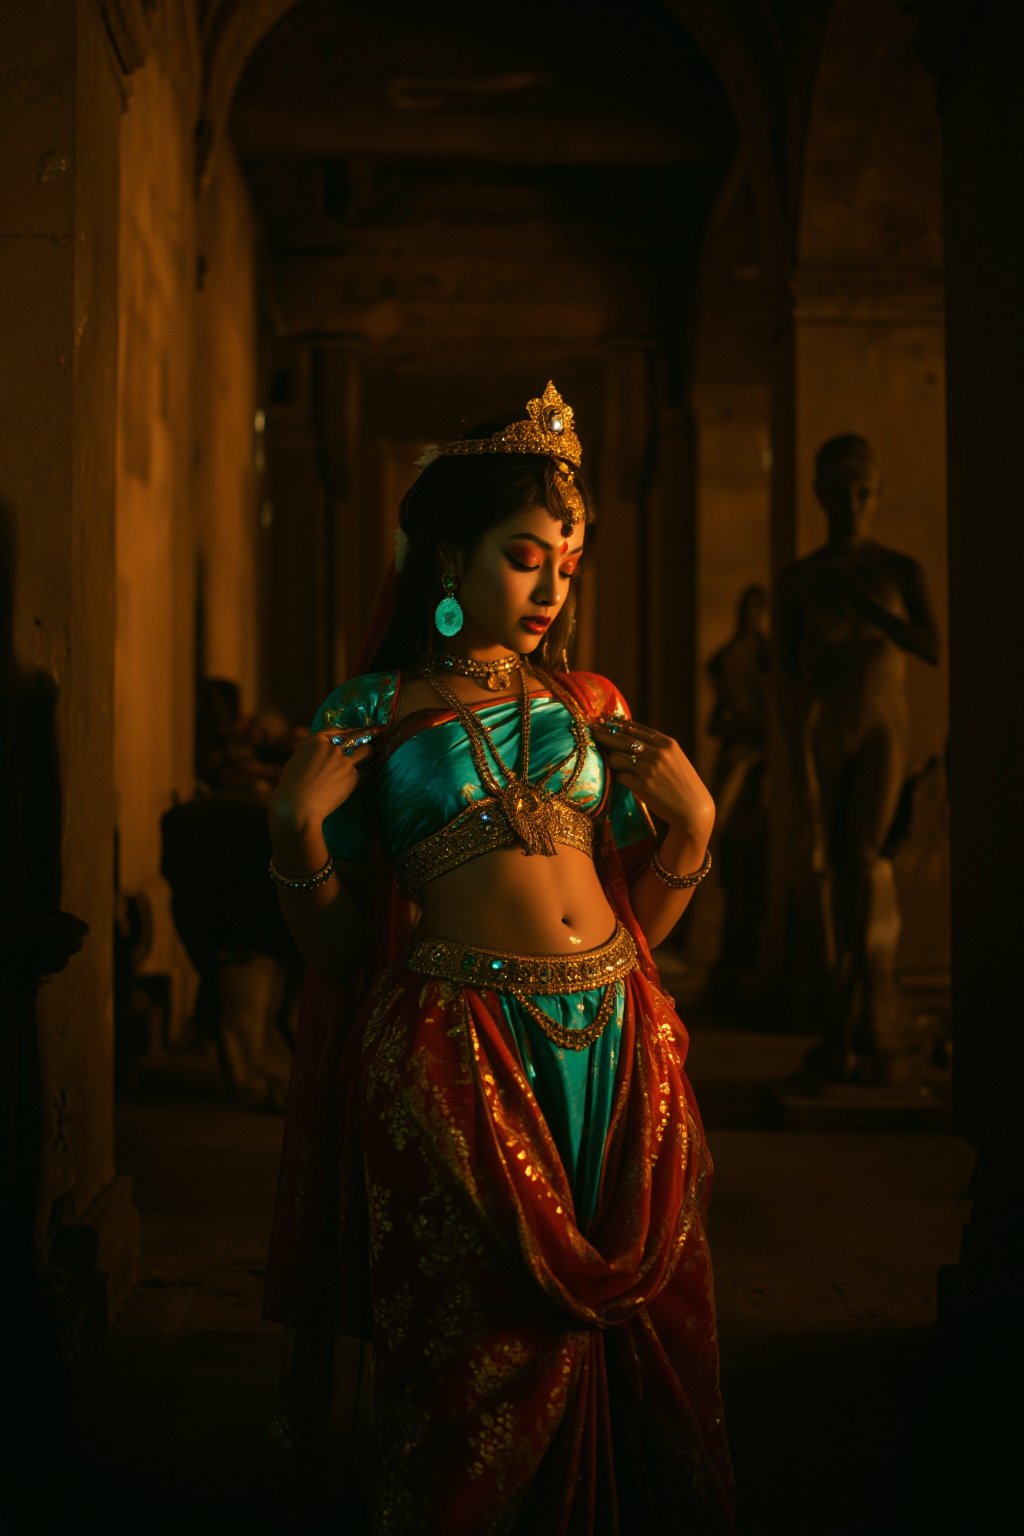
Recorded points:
(565, 548)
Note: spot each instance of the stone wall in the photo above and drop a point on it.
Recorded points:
(58, 317)
(154, 663)
(733, 470)
(731, 408)
(224, 483)
(186, 525)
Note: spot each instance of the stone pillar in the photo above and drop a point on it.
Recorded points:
(355, 534)
(973, 53)
(733, 467)
(226, 443)
(163, 516)
(975, 60)
(297, 660)
(59, 132)
(670, 623)
(625, 471)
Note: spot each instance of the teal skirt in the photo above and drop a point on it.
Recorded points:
(574, 1089)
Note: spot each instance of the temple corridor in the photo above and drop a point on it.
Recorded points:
(256, 256)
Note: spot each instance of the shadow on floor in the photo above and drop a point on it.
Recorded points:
(867, 1434)
(827, 1248)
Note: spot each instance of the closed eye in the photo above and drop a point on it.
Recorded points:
(565, 572)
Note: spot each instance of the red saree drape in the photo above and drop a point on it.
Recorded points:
(528, 1377)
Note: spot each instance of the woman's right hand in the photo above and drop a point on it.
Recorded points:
(320, 775)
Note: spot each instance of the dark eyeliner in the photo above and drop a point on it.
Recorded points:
(518, 565)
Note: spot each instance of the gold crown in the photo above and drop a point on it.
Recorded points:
(547, 430)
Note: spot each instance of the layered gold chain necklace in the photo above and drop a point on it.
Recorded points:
(493, 675)
(527, 805)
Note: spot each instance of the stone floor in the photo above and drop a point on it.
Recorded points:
(826, 1246)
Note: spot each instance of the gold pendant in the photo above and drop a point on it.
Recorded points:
(530, 815)
(498, 682)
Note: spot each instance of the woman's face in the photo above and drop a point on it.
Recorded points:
(514, 584)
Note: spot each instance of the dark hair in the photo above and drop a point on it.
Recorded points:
(455, 501)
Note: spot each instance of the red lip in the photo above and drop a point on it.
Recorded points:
(536, 626)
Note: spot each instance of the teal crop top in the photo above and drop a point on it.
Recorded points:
(424, 778)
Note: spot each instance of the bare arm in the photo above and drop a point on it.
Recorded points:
(662, 776)
(326, 922)
(658, 906)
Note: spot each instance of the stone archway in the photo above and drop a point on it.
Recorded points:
(229, 31)
(593, 281)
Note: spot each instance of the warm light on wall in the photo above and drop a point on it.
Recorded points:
(259, 444)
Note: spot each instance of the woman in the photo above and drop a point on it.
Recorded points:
(497, 1171)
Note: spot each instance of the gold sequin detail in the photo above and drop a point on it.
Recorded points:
(378, 1199)
(574, 1039)
(481, 828)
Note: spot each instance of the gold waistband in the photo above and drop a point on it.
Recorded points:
(523, 975)
(481, 828)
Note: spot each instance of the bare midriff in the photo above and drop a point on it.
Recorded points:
(531, 905)
(538, 904)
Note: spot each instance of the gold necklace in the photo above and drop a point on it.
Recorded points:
(527, 805)
(494, 675)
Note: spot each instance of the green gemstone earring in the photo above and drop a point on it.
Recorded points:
(448, 613)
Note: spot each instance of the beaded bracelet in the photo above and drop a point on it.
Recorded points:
(309, 883)
(680, 882)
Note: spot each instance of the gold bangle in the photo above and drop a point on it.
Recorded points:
(309, 883)
(680, 882)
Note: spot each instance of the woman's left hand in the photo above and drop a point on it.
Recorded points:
(658, 772)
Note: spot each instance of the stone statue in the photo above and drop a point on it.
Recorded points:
(739, 673)
(847, 615)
